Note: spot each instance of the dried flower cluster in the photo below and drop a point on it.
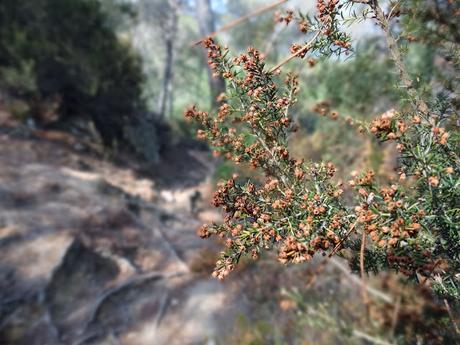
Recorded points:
(413, 225)
(327, 39)
(297, 208)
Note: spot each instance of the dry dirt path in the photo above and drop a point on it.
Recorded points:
(91, 253)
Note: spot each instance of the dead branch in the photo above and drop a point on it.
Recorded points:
(240, 20)
(300, 51)
(436, 264)
(369, 338)
(355, 280)
(354, 332)
(451, 317)
(361, 267)
(394, 319)
(419, 105)
(339, 245)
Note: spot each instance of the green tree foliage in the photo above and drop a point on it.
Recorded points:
(67, 51)
(368, 75)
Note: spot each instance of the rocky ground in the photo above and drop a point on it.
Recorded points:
(94, 253)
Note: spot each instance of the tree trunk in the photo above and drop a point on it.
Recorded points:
(206, 22)
(169, 34)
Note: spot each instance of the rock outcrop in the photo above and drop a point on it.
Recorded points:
(91, 253)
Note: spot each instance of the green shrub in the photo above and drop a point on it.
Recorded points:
(409, 226)
(67, 52)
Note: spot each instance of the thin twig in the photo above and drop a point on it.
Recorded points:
(425, 279)
(419, 105)
(370, 338)
(300, 51)
(394, 320)
(326, 318)
(240, 20)
(361, 266)
(451, 316)
(339, 245)
(392, 9)
(355, 280)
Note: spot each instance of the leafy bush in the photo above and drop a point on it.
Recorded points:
(412, 224)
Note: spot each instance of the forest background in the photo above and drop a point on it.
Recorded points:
(119, 74)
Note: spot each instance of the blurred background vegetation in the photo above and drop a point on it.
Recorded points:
(123, 71)
(120, 73)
